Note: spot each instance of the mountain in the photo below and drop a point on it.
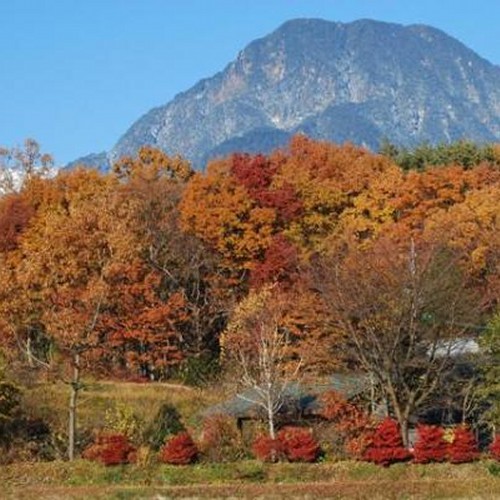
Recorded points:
(99, 161)
(361, 82)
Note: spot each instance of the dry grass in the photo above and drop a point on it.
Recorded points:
(51, 400)
(244, 479)
(250, 480)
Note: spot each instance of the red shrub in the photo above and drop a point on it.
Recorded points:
(299, 444)
(464, 446)
(352, 424)
(110, 449)
(430, 445)
(495, 448)
(387, 445)
(267, 449)
(179, 450)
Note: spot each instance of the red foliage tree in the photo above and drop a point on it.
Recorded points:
(110, 449)
(253, 172)
(464, 446)
(495, 448)
(299, 444)
(267, 449)
(179, 450)
(387, 445)
(256, 174)
(430, 445)
(280, 264)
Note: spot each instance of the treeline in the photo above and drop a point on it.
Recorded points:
(376, 262)
(464, 153)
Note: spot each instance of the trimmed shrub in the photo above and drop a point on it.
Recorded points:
(110, 449)
(464, 446)
(387, 445)
(166, 423)
(430, 445)
(299, 444)
(179, 450)
(267, 449)
(495, 448)
(220, 439)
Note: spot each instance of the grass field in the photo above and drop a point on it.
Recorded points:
(244, 479)
(51, 400)
(250, 479)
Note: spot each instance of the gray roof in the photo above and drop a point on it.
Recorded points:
(302, 398)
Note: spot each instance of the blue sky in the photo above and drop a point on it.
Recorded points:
(75, 74)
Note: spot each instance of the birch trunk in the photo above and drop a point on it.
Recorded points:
(73, 399)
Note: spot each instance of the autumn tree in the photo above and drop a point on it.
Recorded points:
(402, 311)
(266, 214)
(18, 165)
(220, 211)
(352, 425)
(434, 191)
(335, 185)
(165, 300)
(160, 271)
(471, 230)
(16, 212)
(65, 255)
(387, 446)
(257, 346)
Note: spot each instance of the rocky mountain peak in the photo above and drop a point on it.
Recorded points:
(359, 81)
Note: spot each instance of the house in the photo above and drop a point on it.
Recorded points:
(301, 400)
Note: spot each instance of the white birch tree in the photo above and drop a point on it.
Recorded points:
(257, 345)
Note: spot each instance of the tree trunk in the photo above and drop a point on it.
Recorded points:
(372, 394)
(405, 432)
(29, 353)
(270, 418)
(75, 388)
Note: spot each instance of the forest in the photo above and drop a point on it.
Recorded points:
(262, 271)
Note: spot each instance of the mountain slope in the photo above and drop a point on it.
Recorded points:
(360, 81)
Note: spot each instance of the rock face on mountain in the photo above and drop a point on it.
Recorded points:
(360, 82)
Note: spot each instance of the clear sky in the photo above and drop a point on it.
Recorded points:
(75, 74)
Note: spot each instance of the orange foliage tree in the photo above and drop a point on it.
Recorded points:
(65, 255)
(174, 296)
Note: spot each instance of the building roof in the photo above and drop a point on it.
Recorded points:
(302, 398)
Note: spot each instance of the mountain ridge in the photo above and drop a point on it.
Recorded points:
(361, 81)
